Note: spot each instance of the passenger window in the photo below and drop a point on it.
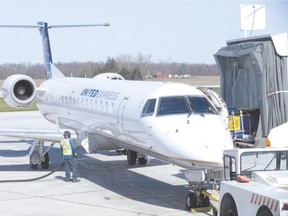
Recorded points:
(173, 105)
(149, 108)
(200, 104)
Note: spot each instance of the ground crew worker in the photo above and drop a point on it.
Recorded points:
(69, 153)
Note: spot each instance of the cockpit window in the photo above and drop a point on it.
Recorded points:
(185, 105)
(149, 108)
(200, 104)
(173, 105)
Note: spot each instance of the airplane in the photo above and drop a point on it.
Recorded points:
(173, 122)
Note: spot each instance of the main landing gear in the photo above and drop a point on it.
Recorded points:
(38, 155)
(132, 157)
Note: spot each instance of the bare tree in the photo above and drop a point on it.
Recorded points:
(124, 63)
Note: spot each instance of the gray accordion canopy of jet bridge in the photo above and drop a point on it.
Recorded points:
(253, 75)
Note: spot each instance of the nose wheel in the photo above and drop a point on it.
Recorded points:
(193, 200)
(199, 201)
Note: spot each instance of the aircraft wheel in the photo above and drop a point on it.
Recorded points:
(215, 211)
(33, 166)
(228, 206)
(144, 160)
(131, 157)
(205, 200)
(34, 160)
(264, 211)
(45, 164)
(191, 200)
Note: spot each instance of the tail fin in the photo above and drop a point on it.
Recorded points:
(50, 69)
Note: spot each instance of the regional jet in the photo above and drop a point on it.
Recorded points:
(173, 122)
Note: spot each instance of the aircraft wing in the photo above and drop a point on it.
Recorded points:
(54, 135)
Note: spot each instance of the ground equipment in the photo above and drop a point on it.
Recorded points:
(255, 182)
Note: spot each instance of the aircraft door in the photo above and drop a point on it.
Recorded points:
(120, 113)
(218, 102)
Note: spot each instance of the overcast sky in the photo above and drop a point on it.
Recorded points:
(188, 31)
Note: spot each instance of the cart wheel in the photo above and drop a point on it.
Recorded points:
(264, 211)
(228, 206)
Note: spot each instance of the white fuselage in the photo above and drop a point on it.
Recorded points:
(111, 113)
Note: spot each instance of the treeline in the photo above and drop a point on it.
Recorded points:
(127, 67)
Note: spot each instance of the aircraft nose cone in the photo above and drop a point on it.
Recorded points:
(206, 140)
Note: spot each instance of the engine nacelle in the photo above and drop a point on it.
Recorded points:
(19, 90)
(111, 76)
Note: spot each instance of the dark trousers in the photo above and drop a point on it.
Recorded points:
(70, 166)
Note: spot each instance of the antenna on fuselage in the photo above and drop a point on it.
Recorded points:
(47, 54)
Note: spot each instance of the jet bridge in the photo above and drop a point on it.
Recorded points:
(254, 85)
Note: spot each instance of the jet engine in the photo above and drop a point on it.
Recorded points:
(110, 76)
(19, 90)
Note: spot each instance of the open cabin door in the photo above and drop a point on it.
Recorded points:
(120, 118)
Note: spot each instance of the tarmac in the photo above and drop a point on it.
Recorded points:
(108, 185)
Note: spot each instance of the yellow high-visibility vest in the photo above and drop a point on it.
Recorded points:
(66, 147)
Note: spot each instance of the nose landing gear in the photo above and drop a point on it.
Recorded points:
(199, 201)
(198, 198)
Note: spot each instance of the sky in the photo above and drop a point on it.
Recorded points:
(183, 31)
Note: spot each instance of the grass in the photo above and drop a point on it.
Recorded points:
(6, 108)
